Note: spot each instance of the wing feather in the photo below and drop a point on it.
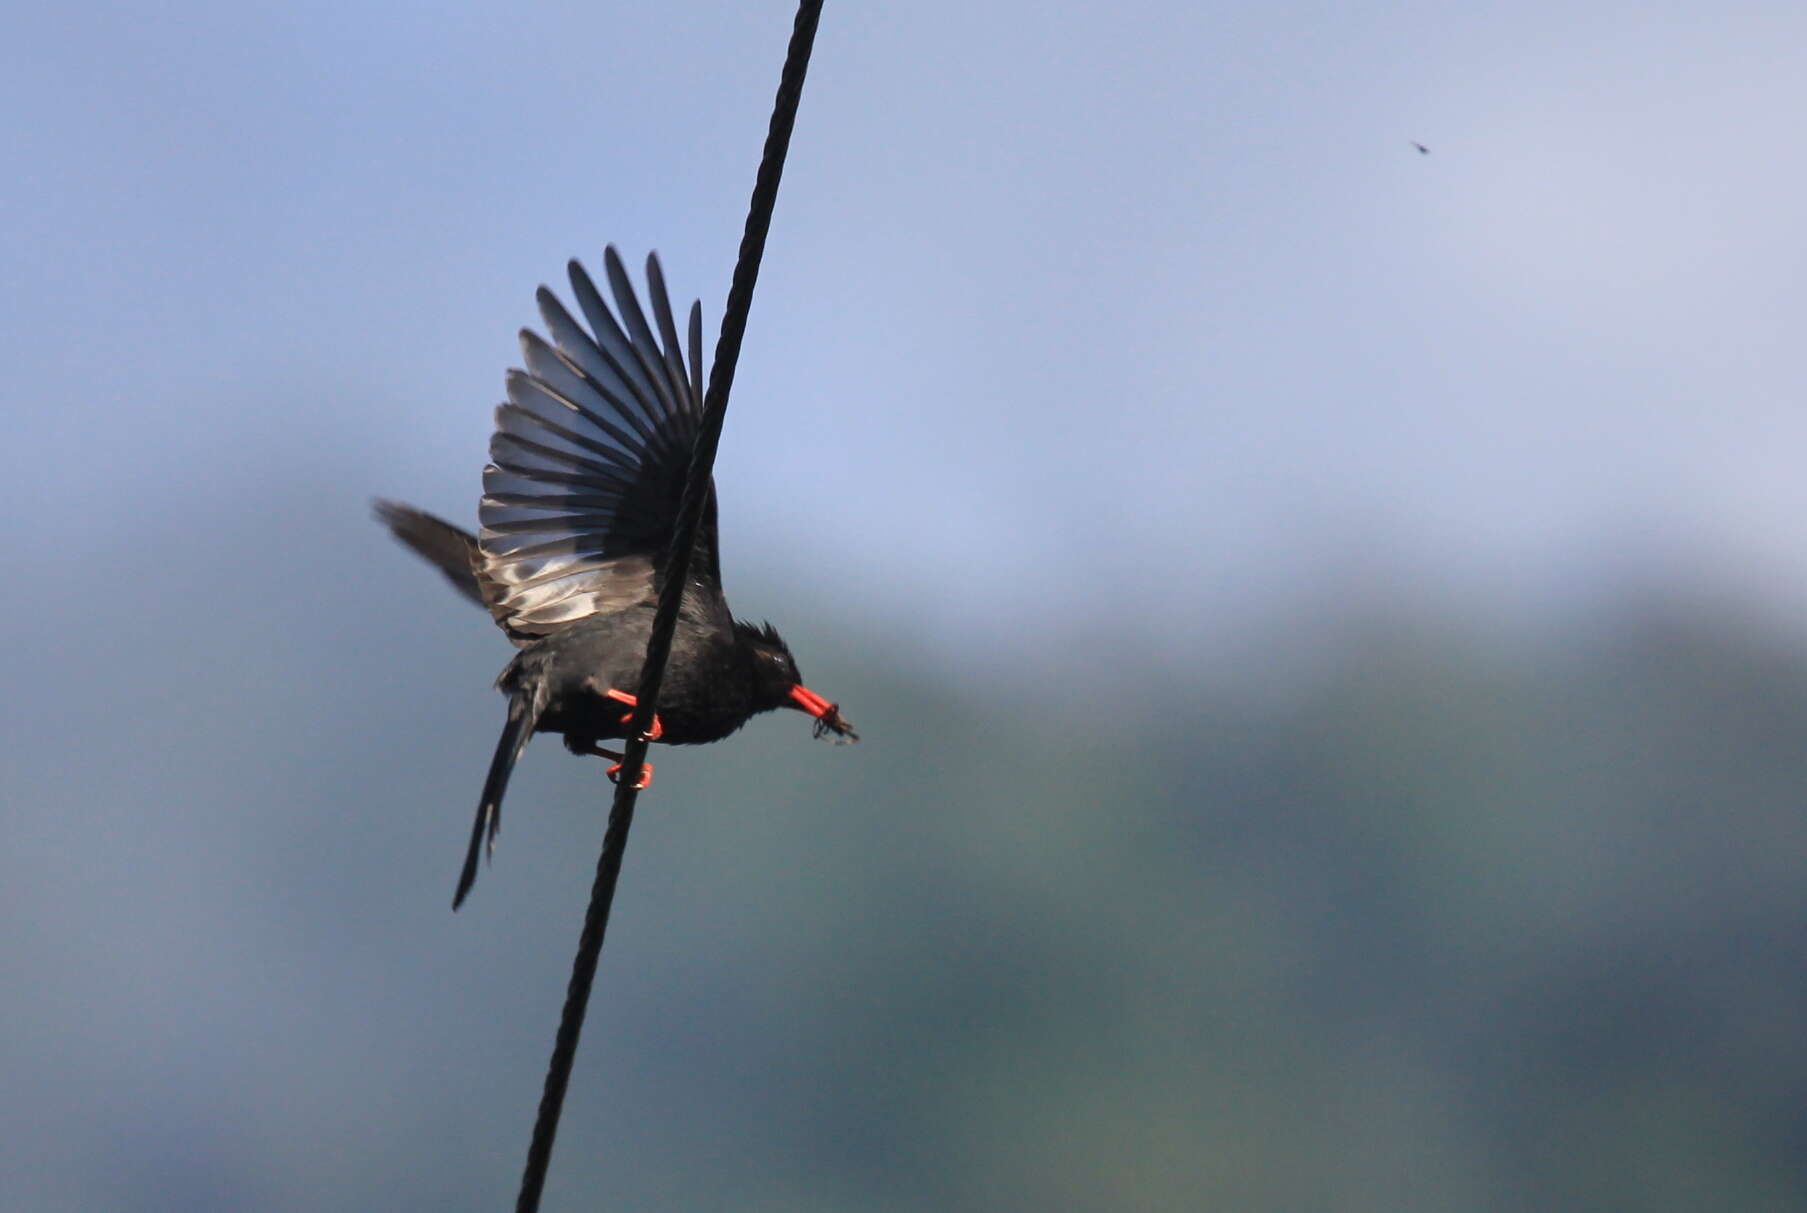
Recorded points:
(668, 335)
(588, 460)
(616, 349)
(647, 354)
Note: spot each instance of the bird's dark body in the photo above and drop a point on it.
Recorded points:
(587, 467)
(709, 692)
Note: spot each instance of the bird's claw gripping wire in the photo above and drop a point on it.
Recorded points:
(656, 731)
(618, 758)
(646, 776)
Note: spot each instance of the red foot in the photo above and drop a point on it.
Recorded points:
(646, 776)
(652, 734)
(590, 747)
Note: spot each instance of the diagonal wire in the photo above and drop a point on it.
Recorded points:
(677, 574)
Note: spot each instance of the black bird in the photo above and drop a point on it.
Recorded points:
(1422, 150)
(587, 466)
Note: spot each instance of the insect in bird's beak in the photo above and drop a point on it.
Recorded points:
(828, 715)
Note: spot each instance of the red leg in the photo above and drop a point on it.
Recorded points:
(590, 747)
(652, 734)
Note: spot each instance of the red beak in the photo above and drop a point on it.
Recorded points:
(828, 716)
(811, 702)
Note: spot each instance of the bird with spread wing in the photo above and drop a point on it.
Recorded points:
(587, 469)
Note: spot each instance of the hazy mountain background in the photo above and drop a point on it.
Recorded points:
(1324, 619)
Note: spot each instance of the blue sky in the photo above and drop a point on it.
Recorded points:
(1139, 315)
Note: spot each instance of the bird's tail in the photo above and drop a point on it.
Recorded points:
(523, 714)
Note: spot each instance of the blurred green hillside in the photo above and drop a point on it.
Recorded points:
(1450, 921)
(1460, 925)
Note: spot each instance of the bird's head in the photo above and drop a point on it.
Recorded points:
(779, 685)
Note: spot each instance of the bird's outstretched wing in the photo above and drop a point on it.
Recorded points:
(588, 460)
